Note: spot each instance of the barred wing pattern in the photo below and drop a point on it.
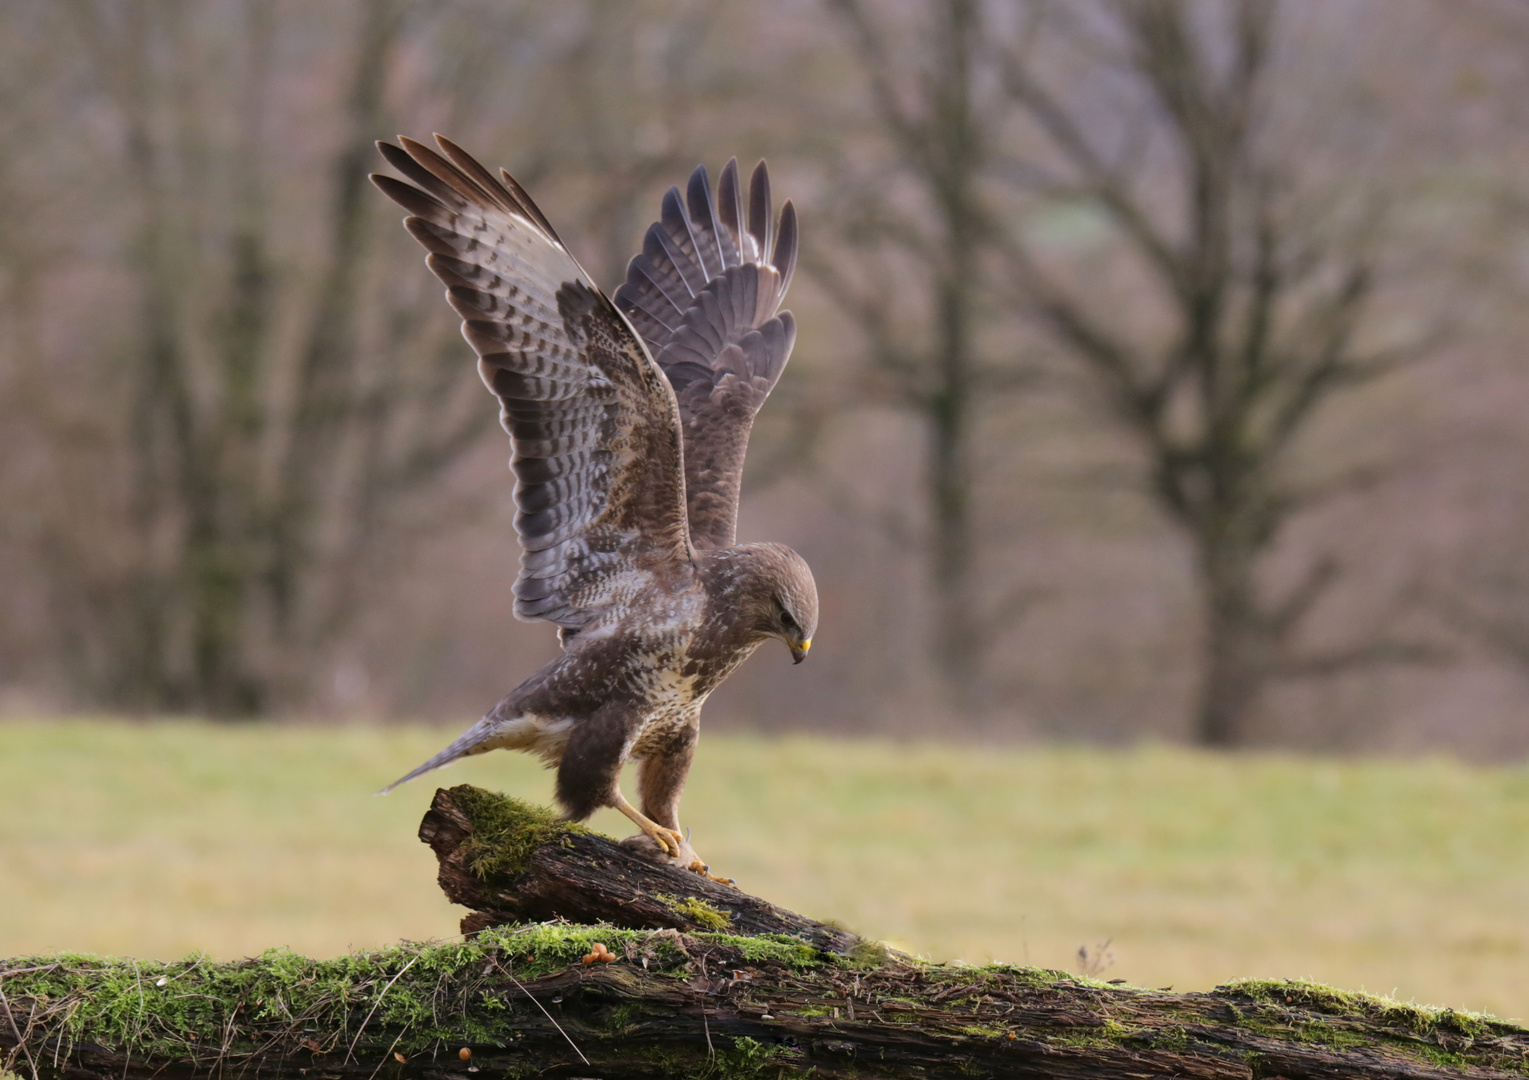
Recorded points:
(703, 294)
(594, 425)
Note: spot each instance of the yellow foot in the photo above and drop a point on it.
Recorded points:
(669, 841)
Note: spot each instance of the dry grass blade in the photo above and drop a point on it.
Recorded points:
(21, 1042)
(387, 1055)
(349, 1053)
(548, 1015)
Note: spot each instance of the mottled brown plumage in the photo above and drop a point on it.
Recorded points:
(629, 423)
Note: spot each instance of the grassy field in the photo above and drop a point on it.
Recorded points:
(1402, 878)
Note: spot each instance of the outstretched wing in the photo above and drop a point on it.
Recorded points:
(594, 424)
(703, 294)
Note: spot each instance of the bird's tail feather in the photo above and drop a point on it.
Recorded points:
(470, 739)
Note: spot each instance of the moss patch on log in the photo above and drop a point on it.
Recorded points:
(696, 909)
(1309, 1012)
(1420, 1019)
(506, 831)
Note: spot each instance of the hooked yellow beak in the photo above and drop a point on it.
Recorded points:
(799, 650)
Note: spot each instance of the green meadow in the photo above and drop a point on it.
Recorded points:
(1406, 878)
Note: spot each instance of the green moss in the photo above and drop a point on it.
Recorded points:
(1038, 978)
(808, 1011)
(1447, 1060)
(1417, 1031)
(1421, 1020)
(746, 1059)
(769, 949)
(696, 910)
(506, 831)
(1175, 1040)
(1076, 1039)
(1117, 1032)
(982, 1032)
(867, 955)
(626, 1016)
(429, 995)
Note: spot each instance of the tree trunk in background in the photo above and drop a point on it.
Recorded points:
(955, 162)
(1236, 661)
(940, 137)
(225, 530)
(329, 397)
(253, 468)
(1264, 298)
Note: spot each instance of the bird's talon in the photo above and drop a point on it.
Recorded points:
(698, 867)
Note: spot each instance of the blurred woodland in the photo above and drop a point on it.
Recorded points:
(1160, 371)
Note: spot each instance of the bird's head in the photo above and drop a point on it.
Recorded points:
(796, 608)
(777, 595)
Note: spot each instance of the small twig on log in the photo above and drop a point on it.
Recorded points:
(548, 1015)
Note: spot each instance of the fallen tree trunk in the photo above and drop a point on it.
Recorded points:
(621, 1003)
(513, 863)
(671, 1004)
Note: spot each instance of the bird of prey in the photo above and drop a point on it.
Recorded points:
(629, 420)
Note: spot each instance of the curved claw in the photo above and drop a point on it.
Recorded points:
(701, 868)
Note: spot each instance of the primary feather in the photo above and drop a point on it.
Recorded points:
(704, 294)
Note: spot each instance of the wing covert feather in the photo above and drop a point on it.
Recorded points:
(598, 453)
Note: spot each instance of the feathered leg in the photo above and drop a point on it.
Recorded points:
(660, 781)
(661, 777)
(589, 774)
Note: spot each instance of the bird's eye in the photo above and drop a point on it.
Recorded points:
(787, 621)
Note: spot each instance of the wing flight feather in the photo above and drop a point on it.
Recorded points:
(598, 456)
(704, 294)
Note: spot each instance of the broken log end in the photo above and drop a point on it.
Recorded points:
(511, 862)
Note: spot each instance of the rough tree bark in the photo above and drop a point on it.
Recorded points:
(670, 1002)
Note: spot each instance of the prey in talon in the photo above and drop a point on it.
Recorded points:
(629, 417)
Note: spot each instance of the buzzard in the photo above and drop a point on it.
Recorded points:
(629, 420)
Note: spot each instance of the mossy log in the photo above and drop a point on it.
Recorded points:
(557, 999)
(517, 1002)
(514, 863)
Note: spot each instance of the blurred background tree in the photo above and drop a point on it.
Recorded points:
(1159, 371)
(1265, 276)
